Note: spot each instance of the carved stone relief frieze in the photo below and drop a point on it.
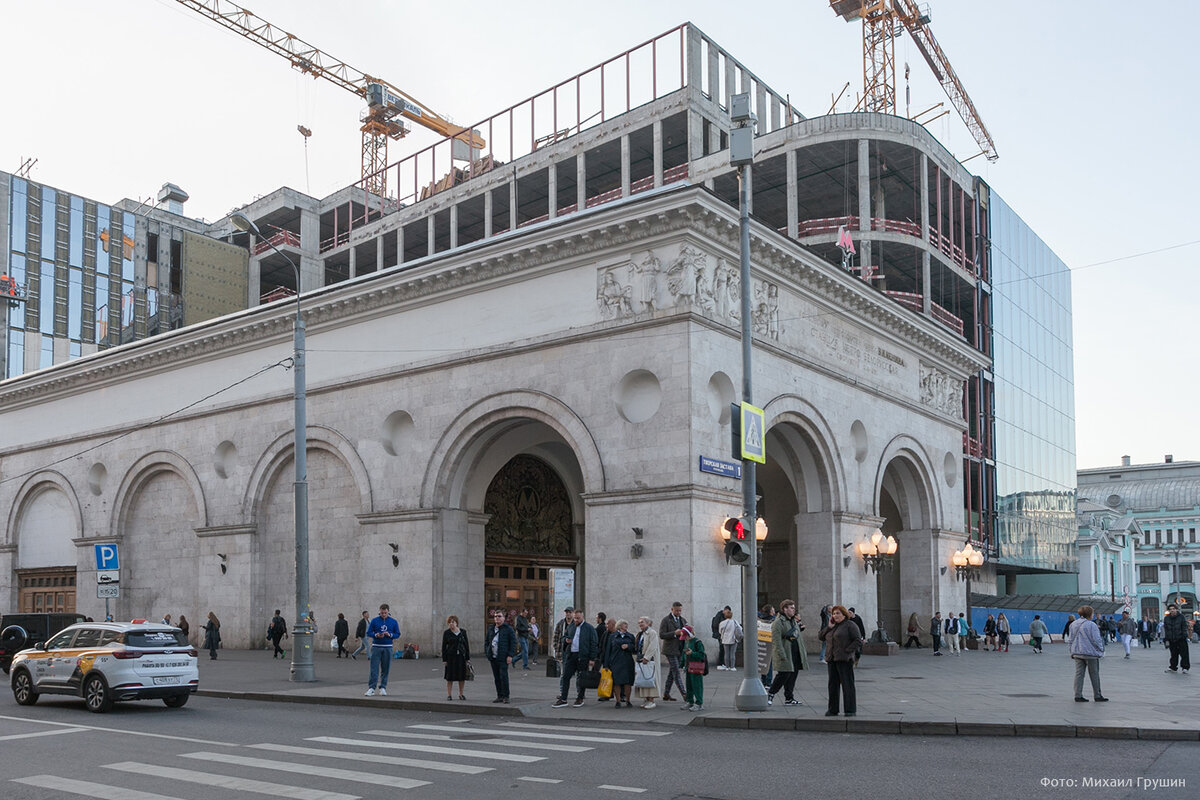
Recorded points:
(941, 391)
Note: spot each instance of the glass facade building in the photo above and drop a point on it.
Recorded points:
(1033, 398)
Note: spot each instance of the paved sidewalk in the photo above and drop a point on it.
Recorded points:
(979, 693)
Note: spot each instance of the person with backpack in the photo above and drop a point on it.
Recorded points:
(276, 630)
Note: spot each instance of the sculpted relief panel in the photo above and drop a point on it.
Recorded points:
(941, 391)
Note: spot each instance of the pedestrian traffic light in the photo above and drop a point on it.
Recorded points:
(737, 546)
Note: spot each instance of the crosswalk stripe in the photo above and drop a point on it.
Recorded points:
(425, 748)
(229, 781)
(394, 781)
(90, 789)
(559, 748)
(610, 787)
(539, 780)
(617, 731)
(465, 729)
(35, 734)
(374, 758)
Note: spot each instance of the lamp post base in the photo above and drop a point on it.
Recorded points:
(751, 696)
(302, 657)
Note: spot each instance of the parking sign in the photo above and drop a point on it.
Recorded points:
(106, 557)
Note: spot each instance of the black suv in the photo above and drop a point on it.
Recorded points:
(18, 631)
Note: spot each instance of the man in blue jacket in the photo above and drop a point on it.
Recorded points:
(383, 631)
(501, 646)
(581, 648)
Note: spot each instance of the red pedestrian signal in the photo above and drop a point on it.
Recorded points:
(737, 548)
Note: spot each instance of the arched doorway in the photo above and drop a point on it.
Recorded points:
(907, 506)
(530, 531)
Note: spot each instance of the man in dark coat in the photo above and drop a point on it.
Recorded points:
(668, 632)
(1175, 634)
(501, 644)
(276, 631)
(360, 633)
(717, 619)
(581, 648)
(862, 633)
(341, 632)
(521, 627)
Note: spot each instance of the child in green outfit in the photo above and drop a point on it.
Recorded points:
(693, 652)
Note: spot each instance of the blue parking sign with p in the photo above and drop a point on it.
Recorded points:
(106, 557)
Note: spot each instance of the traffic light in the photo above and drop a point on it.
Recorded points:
(737, 545)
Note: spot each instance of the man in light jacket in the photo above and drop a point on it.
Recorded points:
(1037, 632)
(1127, 628)
(1087, 648)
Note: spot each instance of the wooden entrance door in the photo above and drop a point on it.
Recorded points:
(516, 588)
(50, 590)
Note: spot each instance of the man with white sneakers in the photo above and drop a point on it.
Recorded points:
(383, 631)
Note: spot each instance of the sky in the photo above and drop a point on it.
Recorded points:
(1093, 115)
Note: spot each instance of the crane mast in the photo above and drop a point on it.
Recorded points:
(882, 22)
(386, 104)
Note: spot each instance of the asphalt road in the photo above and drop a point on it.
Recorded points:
(215, 748)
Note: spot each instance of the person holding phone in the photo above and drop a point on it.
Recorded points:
(383, 631)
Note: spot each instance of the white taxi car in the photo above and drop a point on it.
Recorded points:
(104, 662)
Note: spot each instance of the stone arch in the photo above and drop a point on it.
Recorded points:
(908, 475)
(482, 435)
(278, 452)
(803, 429)
(27, 495)
(145, 469)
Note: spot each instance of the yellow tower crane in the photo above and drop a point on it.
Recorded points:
(385, 103)
(882, 22)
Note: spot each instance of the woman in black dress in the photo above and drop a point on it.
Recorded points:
(618, 656)
(456, 655)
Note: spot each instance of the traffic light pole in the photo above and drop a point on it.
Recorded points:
(751, 696)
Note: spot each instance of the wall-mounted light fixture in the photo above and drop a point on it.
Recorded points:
(395, 554)
(846, 559)
(878, 552)
(635, 550)
(967, 563)
(943, 570)
(224, 565)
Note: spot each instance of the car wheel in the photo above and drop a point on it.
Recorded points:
(176, 700)
(22, 686)
(96, 696)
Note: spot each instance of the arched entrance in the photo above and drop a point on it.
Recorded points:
(906, 505)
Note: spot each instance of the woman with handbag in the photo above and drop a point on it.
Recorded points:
(618, 658)
(844, 638)
(645, 668)
(456, 655)
(697, 665)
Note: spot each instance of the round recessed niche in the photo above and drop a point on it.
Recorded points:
(225, 459)
(639, 395)
(396, 428)
(950, 466)
(720, 395)
(95, 478)
(858, 437)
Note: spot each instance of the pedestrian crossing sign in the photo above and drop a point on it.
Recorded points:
(754, 446)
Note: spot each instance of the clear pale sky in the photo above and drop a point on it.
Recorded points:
(1094, 116)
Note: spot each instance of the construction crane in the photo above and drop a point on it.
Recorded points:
(385, 103)
(882, 22)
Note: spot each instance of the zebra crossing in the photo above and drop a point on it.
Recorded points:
(349, 767)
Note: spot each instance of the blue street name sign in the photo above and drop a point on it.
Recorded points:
(729, 469)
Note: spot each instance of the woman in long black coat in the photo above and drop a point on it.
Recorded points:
(456, 656)
(619, 651)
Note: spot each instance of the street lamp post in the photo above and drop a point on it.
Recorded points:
(751, 696)
(302, 635)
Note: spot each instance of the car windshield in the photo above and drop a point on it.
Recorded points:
(163, 638)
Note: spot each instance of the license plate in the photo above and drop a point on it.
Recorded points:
(165, 681)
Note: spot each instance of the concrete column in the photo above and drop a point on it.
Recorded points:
(918, 563)
(254, 282)
(760, 108)
(429, 248)
(714, 76)
(512, 204)
(454, 226)
(793, 196)
(776, 113)
(818, 568)
(658, 153)
(379, 252)
(310, 249)
(580, 180)
(730, 83)
(694, 54)
(552, 190)
(625, 169)
(864, 200)
(926, 266)
(353, 261)
(487, 214)
(400, 245)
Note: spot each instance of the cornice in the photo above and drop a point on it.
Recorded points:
(225, 530)
(657, 494)
(396, 515)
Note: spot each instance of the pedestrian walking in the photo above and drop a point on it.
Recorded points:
(646, 670)
(456, 657)
(963, 631)
(1037, 632)
(844, 639)
(1175, 635)
(603, 629)
(383, 631)
(341, 632)
(1145, 630)
(521, 629)
(1067, 627)
(360, 633)
(500, 644)
(914, 631)
(989, 633)
(582, 648)
(1003, 631)
(212, 635)
(786, 653)
(1127, 629)
(535, 634)
(618, 658)
(1087, 648)
(668, 634)
(276, 630)
(935, 633)
(729, 635)
(696, 663)
(951, 631)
